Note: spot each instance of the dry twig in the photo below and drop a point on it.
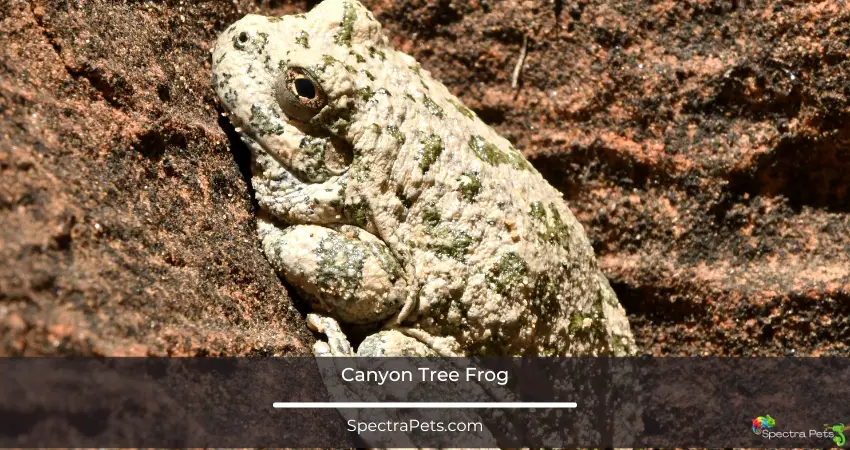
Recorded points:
(520, 61)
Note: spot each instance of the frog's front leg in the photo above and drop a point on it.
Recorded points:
(344, 272)
(292, 200)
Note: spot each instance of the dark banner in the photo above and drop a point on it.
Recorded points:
(420, 402)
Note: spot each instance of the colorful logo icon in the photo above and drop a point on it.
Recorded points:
(839, 433)
(762, 423)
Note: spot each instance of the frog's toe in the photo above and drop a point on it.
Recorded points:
(337, 343)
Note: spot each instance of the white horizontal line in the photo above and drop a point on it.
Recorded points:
(423, 405)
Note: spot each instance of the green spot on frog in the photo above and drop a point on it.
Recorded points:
(340, 264)
(302, 39)
(557, 232)
(386, 261)
(376, 129)
(432, 107)
(339, 126)
(509, 273)
(230, 97)
(432, 147)
(267, 63)
(492, 155)
(375, 53)
(264, 40)
(225, 79)
(365, 93)
(263, 123)
(346, 27)
(470, 186)
(430, 215)
(443, 240)
(463, 109)
(486, 151)
(590, 328)
(358, 213)
(451, 243)
(545, 302)
(397, 134)
(576, 323)
(312, 150)
(274, 19)
(327, 60)
(357, 56)
(538, 211)
(368, 75)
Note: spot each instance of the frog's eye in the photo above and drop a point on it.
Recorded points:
(299, 94)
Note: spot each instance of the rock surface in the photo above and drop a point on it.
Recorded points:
(704, 145)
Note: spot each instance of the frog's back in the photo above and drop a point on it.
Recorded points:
(498, 259)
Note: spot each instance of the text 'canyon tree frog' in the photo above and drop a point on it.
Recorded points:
(395, 210)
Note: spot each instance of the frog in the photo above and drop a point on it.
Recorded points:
(407, 224)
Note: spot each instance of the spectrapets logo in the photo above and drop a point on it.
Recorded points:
(838, 433)
(763, 423)
(763, 426)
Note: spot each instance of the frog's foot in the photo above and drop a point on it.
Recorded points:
(396, 342)
(344, 272)
(382, 343)
(393, 343)
(337, 344)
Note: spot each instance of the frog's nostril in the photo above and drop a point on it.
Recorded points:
(305, 88)
(243, 37)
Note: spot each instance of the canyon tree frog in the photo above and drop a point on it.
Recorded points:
(394, 210)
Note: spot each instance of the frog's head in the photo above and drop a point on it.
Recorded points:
(293, 83)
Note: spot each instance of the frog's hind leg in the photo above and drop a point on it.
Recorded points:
(344, 272)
